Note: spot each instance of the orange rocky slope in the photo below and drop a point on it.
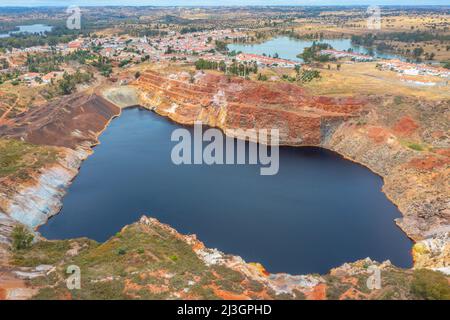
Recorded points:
(234, 103)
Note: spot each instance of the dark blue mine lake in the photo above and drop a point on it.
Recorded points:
(318, 212)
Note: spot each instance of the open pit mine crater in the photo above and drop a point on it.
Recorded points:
(369, 130)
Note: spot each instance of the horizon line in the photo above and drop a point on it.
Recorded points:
(229, 5)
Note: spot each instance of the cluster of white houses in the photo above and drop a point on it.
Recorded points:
(265, 61)
(413, 69)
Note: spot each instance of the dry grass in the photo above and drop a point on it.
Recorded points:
(24, 98)
(366, 79)
(357, 25)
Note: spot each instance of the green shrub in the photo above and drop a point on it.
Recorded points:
(415, 146)
(398, 100)
(262, 77)
(309, 75)
(430, 285)
(22, 238)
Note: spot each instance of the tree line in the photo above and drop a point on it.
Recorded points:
(235, 68)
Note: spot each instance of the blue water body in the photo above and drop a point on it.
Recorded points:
(289, 48)
(33, 28)
(318, 212)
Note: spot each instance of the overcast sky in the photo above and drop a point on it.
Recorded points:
(217, 2)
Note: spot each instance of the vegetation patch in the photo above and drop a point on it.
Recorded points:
(21, 237)
(18, 157)
(430, 285)
(45, 252)
(416, 146)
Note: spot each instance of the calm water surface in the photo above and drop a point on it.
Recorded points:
(289, 48)
(32, 28)
(318, 212)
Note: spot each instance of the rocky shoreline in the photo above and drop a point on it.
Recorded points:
(34, 202)
(39, 197)
(415, 183)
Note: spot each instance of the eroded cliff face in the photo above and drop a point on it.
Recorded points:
(70, 127)
(234, 103)
(416, 181)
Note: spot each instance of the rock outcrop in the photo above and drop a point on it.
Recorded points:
(433, 253)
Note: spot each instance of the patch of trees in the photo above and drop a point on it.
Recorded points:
(366, 40)
(4, 64)
(414, 36)
(379, 42)
(146, 33)
(383, 46)
(312, 53)
(234, 53)
(192, 29)
(309, 36)
(169, 50)
(430, 285)
(25, 40)
(202, 64)
(21, 238)
(171, 19)
(81, 56)
(68, 83)
(221, 46)
(44, 63)
(242, 69)
(417, 52)
(262, 77)
(9, 76)
(369, 39)
(59, 34)
(235, 68)
(103, 65)
(123, 63)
